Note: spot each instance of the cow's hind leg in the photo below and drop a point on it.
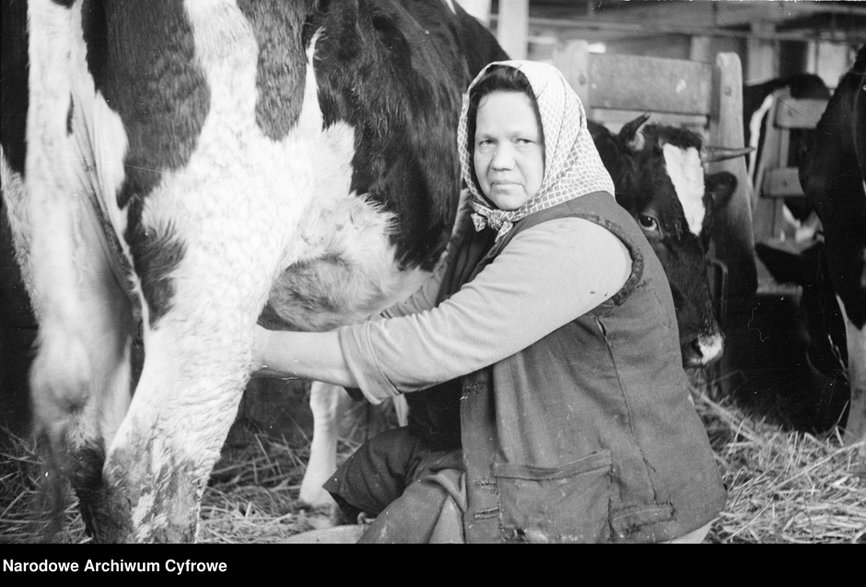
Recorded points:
(327, 403)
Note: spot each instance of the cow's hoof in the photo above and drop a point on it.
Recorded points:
(316, 498)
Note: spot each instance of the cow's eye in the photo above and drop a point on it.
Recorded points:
(647, 222)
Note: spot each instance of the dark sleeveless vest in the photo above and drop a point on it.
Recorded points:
(589, 434)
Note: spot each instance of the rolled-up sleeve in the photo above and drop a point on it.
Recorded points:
(547, 276)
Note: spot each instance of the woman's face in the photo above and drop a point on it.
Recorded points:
(509, 156)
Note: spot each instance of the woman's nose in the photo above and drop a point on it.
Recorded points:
(503, 157)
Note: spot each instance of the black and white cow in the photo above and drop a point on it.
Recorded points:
(833, 176)
(186, 164)
(758, 99)
(659, 178)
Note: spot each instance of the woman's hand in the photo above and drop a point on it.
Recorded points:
(261, 348)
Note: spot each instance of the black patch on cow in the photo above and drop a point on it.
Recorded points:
(64, 3)
(69, 113)
(155, 255)
(14, 73)
(142, 59)
(282, 65)
(393, 73)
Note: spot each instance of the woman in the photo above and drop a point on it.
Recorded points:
(554, 407)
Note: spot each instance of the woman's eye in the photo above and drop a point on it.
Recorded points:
(648, 222)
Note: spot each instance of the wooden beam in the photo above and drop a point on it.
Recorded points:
(698, 14)
(598, 28)
(480, 9)
(512, 27)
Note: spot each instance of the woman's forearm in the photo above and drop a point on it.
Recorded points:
(306, 355)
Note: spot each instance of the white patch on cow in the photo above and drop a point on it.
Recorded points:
(710, 347)
(755, 131)
(687, 174)
(450, 4)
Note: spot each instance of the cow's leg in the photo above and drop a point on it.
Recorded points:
(198, 336)
(327, 403)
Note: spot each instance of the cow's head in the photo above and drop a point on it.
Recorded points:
(659, 178)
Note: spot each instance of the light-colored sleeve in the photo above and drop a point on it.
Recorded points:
(547, 276)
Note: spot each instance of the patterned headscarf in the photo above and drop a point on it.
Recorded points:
(572, 164)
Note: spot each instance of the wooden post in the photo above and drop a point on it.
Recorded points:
(699, 49)
(732, 240)
(572, 60)
(480, 9)
(732, 234)
(512, 27)
(762, 61)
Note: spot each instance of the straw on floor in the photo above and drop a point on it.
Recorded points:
(783, 487)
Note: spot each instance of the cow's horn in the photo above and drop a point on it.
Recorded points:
(713, 154)
(630, 133)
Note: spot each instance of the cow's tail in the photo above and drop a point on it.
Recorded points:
(62, 374)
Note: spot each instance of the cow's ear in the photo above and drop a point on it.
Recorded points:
(719, 187)
(630, 133)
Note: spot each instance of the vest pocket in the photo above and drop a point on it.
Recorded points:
(563, 504)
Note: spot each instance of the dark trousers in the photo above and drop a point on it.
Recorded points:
(397, 479)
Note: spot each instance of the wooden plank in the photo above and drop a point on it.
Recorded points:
(512, 27)
(572, 60)
(802, 113)
(732, 236)
(628, 82)
(782, 182)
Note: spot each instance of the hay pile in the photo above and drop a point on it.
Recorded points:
(783, 487)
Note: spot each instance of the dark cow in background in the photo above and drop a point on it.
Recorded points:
(833, 176)
(658, 176)
(189, 164)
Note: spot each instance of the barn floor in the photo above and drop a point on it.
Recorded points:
(783, 487)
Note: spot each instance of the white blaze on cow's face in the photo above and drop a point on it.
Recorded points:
(687, 174)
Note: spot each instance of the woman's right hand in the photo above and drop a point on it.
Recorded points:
(261, 342)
